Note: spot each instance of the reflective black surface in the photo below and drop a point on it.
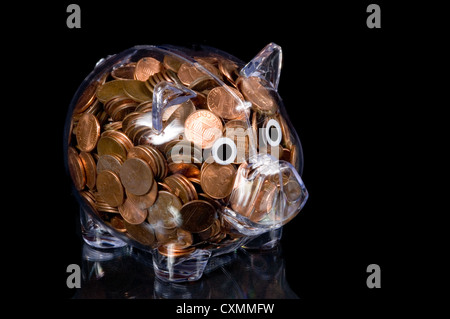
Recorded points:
(127, 273)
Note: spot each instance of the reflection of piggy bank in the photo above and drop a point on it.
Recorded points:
(187, 154)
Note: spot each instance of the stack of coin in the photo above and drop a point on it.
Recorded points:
(157, 193)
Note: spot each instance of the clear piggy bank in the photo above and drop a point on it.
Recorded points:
(186, 154)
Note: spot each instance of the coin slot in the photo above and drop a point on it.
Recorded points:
(273, 132)
(224, 151)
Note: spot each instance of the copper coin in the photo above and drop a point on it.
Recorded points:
(238, 131)
(259, 93)
(203, 128)
(229, 69)
(142, 152)
(192, 192)
(124, 72)
(170, 250)
(188, 73)
(109, 162)
(131, 213)
(130, 119)
(146, 67)
(222, 103)
(160, 161)
(165, 187)
(179, 188)
(76, 168)
(285, 131)
(144, 201)
(110, 188)
(182, 240)
(87, 97)
(136, 176)
(186, 169)
(90, 169)
(264, 201)
(89, 199)
(165, 212)
(87, 132)
(118, 224)
(165, 235)
(197, 216)
(295, 159)
(293, 190)
(203, 83)
(218, 180)
(142, 233)
(211, 231)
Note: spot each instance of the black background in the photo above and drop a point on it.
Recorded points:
(341, 84)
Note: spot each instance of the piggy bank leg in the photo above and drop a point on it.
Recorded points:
(96, 235)
(173, 268)
(265, 241)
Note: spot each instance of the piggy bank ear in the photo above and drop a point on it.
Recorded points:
(266, 64)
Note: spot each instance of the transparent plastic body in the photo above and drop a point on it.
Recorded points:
(184, 154)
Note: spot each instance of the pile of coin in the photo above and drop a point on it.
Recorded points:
(141, 186)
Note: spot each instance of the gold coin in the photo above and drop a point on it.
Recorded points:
(136, 90)
(114, 143)
(172, 63)
(108, 145)
(110, 90)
